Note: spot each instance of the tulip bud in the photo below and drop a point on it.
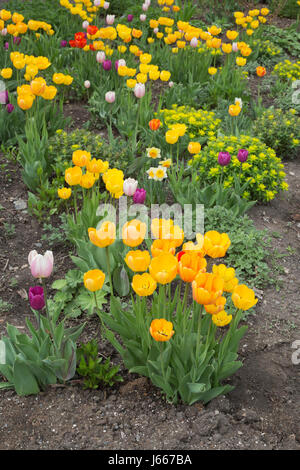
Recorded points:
(171, 84)
(3, 97)
(235, 47)
(10, 107)
(6, 45)
(143, 17)
(63, 43)
(110, 19)
(100, 57)
(139, 90)
(85, 24)
(106, 5)
(145, 7)
(110, 96)
(4, 32)
(194, 42)
(243, 155)
(41, 265)
(130, 186)
(36, 297)
(106, 65)
(87, 84)
(139, 196)
(224, 158)
(129, 18)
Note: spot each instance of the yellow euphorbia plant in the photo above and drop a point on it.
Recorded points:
(185, 342)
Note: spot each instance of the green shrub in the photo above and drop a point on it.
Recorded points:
(263, 170)
(280, 131)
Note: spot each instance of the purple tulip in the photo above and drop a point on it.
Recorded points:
(36, 297)
(3, 97)
(10, 107)
(106, 65)
(139, 196)
(129, 18)
(17, 40)
(63, 43)
(6, 45)
(224, 158)
(243, 155)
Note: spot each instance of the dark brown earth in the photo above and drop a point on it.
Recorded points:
(262, 411)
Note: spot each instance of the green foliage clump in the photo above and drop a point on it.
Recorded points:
(263, 170)
(91, 368)
(287, 70)
(280, 131)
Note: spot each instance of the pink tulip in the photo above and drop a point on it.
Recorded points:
(100, 57)
(235, 47)
(155, 31)
(110, 96)
(129, 186)
(85, 24)
(4, 32)
(110, 19)
(87, 84)
(97, 3)
(41, 265)
(106, 5)
(145, 7)
(139, 90)
(143, 17)
(194, 42)
(171, 84)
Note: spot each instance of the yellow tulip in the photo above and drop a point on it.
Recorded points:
(143, 284)
(94, 280)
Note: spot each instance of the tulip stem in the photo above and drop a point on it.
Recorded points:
(99, 314)
(108, 270)
(47, 312)
(75, 205)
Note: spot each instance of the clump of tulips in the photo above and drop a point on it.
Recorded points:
(31, 363)
(184, 347)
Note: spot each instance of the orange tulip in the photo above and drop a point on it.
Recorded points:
(243, 297)
(217, 307)
(162, 246)
(103, 237)
(207, 287)
(143, 284)
(190, 265)
(94, 280)
(154, 124)
(228, 274)
(163, 268)
(216, 244)
(138, 260)
(73, 175)
(221, 318)
(133, 233)
(261, 71)
(161, 329)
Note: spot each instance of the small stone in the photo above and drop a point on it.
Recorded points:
(20, 204)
